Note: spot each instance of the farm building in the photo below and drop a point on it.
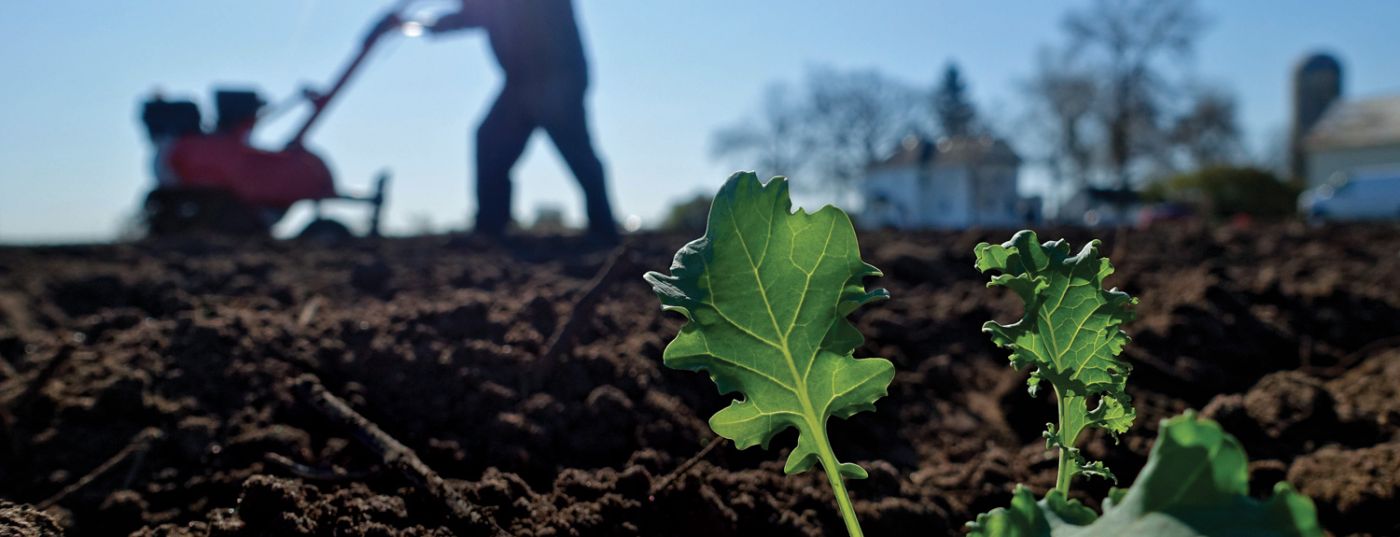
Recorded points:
(1354, 135)
(957, 182)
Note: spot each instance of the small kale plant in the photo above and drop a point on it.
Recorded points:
(766, 292)
(1070, 338)
(1196, 480)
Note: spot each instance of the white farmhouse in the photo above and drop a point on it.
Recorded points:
(954, 183)
(1354, 135)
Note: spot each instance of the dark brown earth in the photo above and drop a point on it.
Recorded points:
(168, 367)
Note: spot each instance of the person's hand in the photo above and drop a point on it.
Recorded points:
(439, 25)
(452, 22)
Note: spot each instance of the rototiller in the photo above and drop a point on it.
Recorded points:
(213, 180)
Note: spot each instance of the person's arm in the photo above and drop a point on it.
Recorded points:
(387, 23)
(463, 19)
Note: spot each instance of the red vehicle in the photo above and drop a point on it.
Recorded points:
(215, 181)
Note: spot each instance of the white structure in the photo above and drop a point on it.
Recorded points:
(954, 183)
(1353, 136)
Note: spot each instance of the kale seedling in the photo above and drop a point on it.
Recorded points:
(1070, 336)
(766, 292)
(1196, 482)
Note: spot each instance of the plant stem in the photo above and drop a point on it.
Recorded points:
(838, 485)
(1062, 477)
(1064, 473)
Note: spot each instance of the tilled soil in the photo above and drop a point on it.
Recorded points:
(148, 388)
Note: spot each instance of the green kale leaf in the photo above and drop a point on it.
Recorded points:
(1195, 484)
(766, 292)
(1069, 336)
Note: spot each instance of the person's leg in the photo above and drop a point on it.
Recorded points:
(567, 125)
(500, 140)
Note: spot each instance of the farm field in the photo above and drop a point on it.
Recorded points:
(175, 388)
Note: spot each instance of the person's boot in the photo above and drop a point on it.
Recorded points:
(491, 223)
(603, 234)
(602, 228)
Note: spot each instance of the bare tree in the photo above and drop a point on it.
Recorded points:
(835, 127)
(774, 144)
(854, 119)
(1061, 97)
(1127, 41)
(1208, 132)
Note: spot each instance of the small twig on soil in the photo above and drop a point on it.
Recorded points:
(468, 518)
(312, 473)
(137, 462)
(1353, 357)
(308, 312)
(563, 335)
(138, 446)
(666, 480)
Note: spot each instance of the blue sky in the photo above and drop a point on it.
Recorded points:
(74, 162)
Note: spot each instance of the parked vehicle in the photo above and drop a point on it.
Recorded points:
(1359, 195)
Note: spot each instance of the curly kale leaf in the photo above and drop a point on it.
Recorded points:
(1069, 336)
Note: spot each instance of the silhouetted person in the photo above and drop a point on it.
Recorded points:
(537, 44)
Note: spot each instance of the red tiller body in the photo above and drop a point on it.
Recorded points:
(191, 158)
(271, 179)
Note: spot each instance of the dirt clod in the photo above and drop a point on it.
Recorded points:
(17, 520)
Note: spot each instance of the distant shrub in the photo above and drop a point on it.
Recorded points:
(1225, 191)
(689, 215)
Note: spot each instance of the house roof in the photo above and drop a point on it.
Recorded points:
(1357, 123)
(918, 151)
